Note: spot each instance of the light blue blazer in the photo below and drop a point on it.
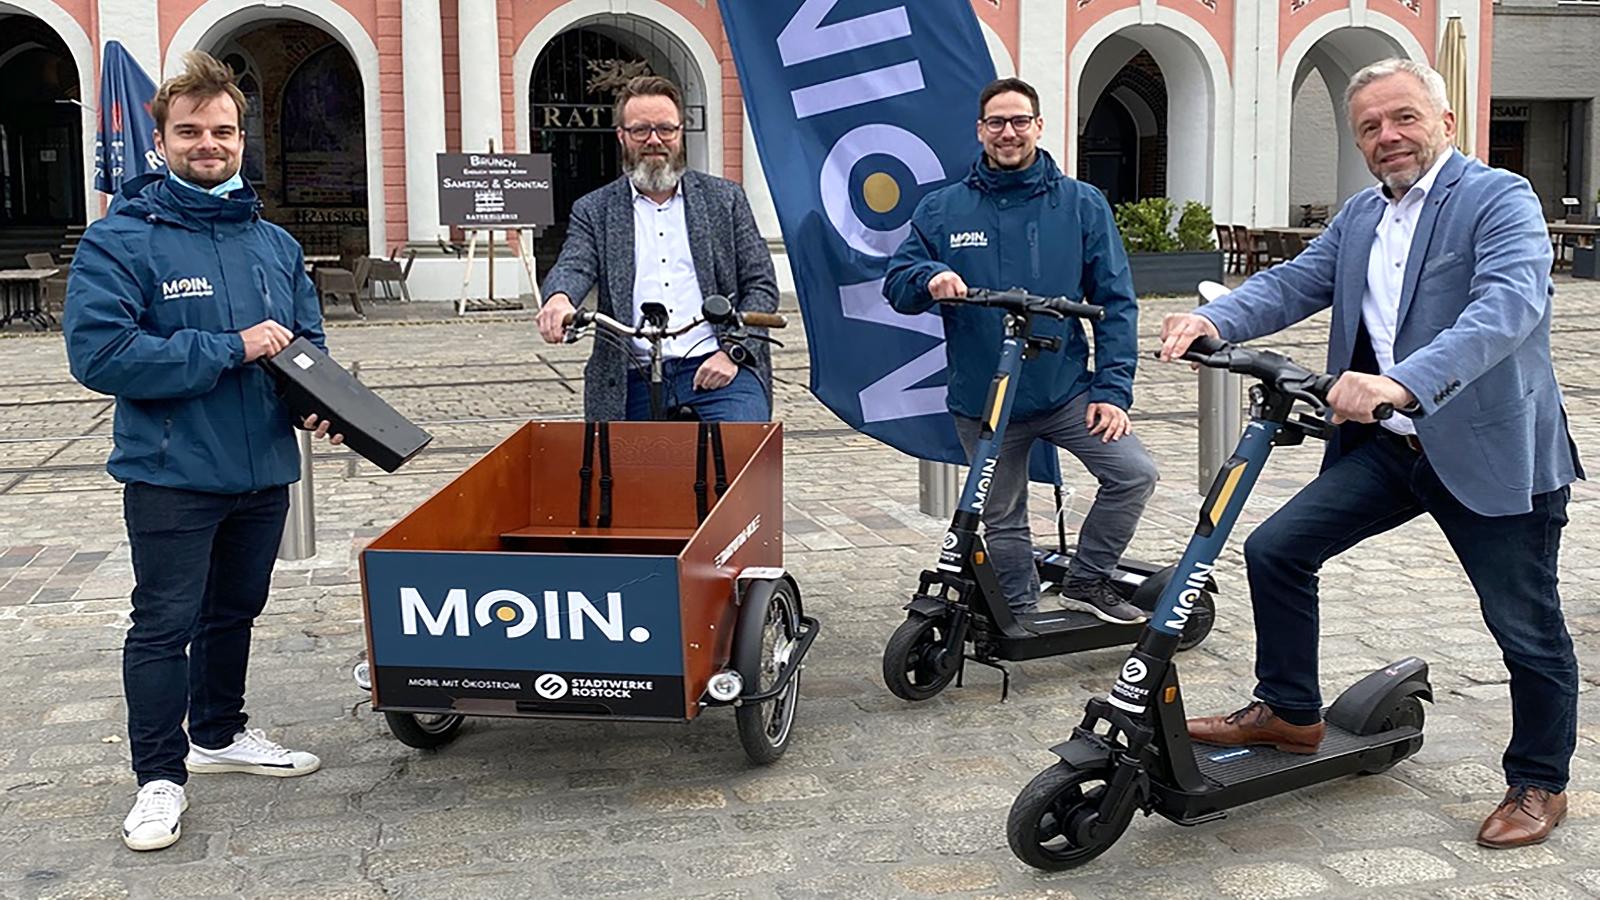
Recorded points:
(1473, 339)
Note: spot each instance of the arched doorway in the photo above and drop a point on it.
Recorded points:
(1154, 91)
(41, 134)
(570, 99)
(1108, 151)
(1324, 166)
(1122, 147)
(305, 135)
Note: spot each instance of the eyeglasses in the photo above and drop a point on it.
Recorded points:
(997, 124)
(642, 132)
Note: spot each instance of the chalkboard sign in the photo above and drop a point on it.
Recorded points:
(495, 190)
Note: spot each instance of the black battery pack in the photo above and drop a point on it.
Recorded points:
(309, 381)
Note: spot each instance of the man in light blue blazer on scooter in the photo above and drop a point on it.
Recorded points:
(1439, 280)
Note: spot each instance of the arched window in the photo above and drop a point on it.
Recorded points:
(323, 132)
(255, 127)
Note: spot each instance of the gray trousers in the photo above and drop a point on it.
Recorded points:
(1127, 477)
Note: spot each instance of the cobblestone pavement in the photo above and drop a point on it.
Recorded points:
(875, 798)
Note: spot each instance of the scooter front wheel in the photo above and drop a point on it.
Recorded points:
(916, 665)
(1055, 822)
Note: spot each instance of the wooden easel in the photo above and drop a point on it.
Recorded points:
(472, 253)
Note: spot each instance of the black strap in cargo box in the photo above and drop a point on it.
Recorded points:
(586, 472)
(701, 504)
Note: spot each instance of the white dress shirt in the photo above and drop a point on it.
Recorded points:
(663, 271)
(1386, 273)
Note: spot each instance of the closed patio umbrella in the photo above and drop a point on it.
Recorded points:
(1453, 66)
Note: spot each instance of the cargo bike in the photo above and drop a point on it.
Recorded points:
(626, 571)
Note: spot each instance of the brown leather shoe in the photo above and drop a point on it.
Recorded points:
(1526, 816)
(1256, 724)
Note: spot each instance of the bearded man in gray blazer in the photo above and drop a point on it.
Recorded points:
(663, 233)
(1439, 280)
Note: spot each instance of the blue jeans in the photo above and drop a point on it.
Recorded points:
(1510, 560)
(202, 564)
(742, 400)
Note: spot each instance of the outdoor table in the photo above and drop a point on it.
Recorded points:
(1582, 235)
(20, 294)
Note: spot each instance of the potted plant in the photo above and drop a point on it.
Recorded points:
(1169, 250)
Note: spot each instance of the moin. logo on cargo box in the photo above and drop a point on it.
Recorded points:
(519, 615)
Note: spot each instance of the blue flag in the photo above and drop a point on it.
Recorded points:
(860, 108)
(124, 145)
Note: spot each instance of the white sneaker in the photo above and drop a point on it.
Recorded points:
(252, 752)
(153, 821)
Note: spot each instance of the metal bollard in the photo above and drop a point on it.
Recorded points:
(300, 531)
(1221, 419)
(938, 488)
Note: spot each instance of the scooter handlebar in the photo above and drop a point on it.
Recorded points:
(1273, 368)
(1020, 301)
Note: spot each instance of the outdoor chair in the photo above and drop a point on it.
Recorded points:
(333, 282)
(1230, 257)
(387, 272)
(1251, 247)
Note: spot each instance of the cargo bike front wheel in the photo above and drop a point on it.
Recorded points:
(771, 639)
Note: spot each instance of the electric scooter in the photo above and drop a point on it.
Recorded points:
(959, 603)
(1132, 751)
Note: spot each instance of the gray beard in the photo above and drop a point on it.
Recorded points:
(1404, 181)
(650, 178)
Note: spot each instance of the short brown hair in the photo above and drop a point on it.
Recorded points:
(649, 86)
(204, 78)
(1008, 86)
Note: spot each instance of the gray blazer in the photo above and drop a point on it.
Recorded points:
(730, 258)
(1473, 342)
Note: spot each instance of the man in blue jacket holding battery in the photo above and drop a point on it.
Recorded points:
(173, 296)
(1017, 221)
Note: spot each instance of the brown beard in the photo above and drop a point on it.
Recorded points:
(650, 173)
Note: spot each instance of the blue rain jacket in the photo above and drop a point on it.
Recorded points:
(1034, 229)
(160, 289)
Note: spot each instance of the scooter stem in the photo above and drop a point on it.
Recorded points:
(1147, 663)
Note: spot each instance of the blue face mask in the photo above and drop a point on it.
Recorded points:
(221, 190)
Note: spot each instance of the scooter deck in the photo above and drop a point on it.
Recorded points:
(1055, 631)
(1240, 775)
(1227, 766)
(1126, 579)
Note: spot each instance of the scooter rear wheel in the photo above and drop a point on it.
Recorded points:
(1408, 712)
(915, 666)
(1201, 616)
(1052, 825)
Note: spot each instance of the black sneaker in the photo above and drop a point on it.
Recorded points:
(1099, 599)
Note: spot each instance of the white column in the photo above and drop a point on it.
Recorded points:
(422, 56)
(131, 23)
(1260, 142)
(1042, 62)
(479, 27)
(765, 210)
(756, 188)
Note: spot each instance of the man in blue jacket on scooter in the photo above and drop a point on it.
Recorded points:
(173, 296)
(1017, 221)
